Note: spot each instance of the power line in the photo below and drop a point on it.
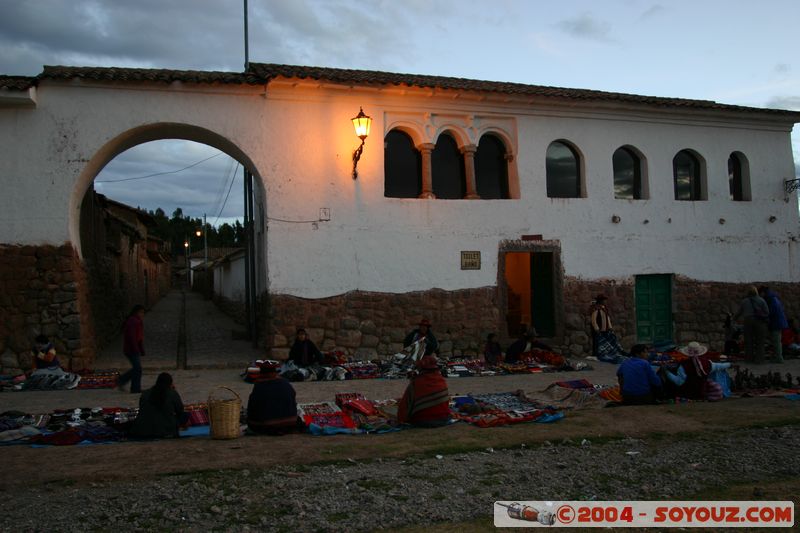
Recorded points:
(227, 195)
(161, 173)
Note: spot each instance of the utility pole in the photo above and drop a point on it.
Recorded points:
(246, 44)
(205, 258)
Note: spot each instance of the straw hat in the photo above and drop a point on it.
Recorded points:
(694, 348)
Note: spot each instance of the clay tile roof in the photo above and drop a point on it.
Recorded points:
(263, 73)
(145, 75)
(16, 83)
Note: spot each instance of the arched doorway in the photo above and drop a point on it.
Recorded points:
(124, 267)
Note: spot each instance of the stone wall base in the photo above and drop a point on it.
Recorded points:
(369, 325)
(43, 290)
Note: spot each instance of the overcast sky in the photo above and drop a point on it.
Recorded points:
(735, 52)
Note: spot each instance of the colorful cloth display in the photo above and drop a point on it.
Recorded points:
(98, 380)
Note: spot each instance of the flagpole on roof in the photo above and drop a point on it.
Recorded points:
(246, 45)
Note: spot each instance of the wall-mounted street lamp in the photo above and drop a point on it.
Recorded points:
(362, 123)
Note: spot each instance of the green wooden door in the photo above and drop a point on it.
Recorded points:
(654, 308)
(543, 293)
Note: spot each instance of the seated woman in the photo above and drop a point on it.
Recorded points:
(272, 407)
(638, 382)
(492, 353)
(691, 379)
(47, 373)
(160, 411)
(426, 401)
(304, 352)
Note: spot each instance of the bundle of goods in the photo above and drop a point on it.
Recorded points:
(334, 358)
(198, 413)
(12, 382)
(366, 414)
(521, 367)
(466, 368)
(362, 370)
(105, 379)
(489, 410)
(324, 414)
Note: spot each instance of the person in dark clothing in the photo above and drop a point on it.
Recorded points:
(272, 407)
(304, 352)
(524, 344)
(638, 382)
(492, 353)
(776, 322)
(133, 348)
(160, 411)
(423, 331)
(426, 400)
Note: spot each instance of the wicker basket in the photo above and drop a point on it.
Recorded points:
(223, 415)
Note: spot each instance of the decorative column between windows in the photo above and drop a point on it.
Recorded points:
(469, 168)
(425, 149)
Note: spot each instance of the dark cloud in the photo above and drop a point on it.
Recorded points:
(587, 26)
(785, 102)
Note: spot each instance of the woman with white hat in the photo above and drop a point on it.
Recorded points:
(692, 376)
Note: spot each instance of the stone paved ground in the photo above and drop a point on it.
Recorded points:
(209, 342)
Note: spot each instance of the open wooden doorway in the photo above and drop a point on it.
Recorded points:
(530, 281)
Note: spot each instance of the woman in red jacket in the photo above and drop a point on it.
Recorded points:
(133, 348)
(426, 402)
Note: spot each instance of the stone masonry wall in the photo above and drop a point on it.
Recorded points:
(43, 289)
(368, 325)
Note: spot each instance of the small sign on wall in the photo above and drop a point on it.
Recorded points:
(470, 260)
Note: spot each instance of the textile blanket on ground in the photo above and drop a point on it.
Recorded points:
(98, 380)
(357, 414)
(51, 379)
(499, 409)
(568, 395)
(608, 348)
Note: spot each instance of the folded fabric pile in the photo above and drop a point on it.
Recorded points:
(362, 370)
(66, 427)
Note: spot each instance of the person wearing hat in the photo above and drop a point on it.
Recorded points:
(638, 382)
(304, 352)
(423, 332)
(272, 406)
(426, 400)
(691, 379)
(525, 343)
(600, 321)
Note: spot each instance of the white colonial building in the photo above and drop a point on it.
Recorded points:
(481, 205)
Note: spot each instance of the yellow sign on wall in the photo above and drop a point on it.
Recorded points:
(470, 260)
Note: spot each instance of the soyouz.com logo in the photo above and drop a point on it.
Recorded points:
(708, 514)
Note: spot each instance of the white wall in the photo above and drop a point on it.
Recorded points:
(229, 279)
(299, 140)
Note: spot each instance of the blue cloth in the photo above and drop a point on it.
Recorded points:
(777, 318)
(638, 377)
(721, 377)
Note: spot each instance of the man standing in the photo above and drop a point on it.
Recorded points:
(777, 321)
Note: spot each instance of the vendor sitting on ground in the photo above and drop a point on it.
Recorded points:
(304, 352)
(525, 344)
(691, 379)
(492, 353)
(272, 407)
(423, 331)
(160, 411)
(44, 353)
(426, 401)
(638, 382)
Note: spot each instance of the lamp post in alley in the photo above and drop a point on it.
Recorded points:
(188, 264)
(204, 232)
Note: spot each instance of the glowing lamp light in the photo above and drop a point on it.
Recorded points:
(198, 232)
(362, 124)
(185, 244)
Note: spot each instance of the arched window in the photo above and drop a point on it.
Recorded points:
(563, 171)
(687, 173)
(447, 168)
(738, 177)
(491, 169)
(627, 174)
(402, 166)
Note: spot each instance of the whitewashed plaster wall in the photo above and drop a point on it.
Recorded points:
(229, 279)
(298, 139)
